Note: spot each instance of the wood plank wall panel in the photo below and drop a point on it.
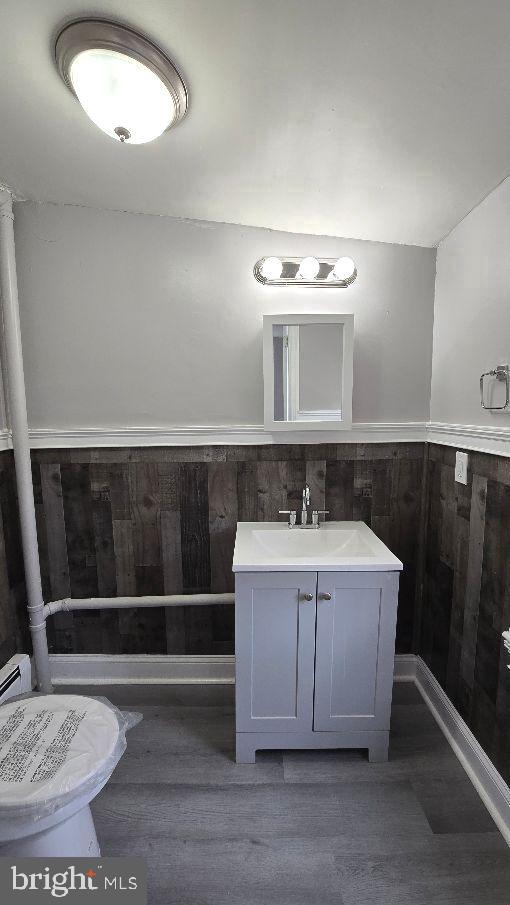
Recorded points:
(171, 553)
(53, 548)
(466, 593)
(119, 521)
(14, 635)
(154, 520)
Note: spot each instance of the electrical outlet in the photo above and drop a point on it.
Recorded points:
(461, 467)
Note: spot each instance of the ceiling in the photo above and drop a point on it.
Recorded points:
(373, 119)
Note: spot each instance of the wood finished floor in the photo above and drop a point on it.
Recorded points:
(296, 828)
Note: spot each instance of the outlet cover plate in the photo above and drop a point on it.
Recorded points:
(461, 467)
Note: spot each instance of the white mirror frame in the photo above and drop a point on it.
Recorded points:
(345, 320)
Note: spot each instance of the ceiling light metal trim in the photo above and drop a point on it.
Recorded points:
(290, 269)
(102, 34)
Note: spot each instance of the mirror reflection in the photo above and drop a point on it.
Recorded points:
(307, 361)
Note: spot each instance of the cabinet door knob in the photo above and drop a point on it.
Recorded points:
(325, 596)
(308, 596)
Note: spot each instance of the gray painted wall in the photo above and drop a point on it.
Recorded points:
(472, 311)
(143, 320)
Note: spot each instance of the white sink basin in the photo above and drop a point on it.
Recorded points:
(335, 547)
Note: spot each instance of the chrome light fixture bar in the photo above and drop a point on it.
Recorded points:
(330, 273)
(125, 83)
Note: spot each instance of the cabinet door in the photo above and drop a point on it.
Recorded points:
(356, 616)
(275, 650)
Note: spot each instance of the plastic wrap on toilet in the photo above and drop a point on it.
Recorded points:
(54, 748)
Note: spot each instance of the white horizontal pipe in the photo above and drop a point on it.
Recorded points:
(104, 603)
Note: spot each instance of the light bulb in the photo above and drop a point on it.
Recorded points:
(344, 269)
(122, 96)
(308, 269)
(271, 268)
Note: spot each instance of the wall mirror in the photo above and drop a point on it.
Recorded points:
(308, 371)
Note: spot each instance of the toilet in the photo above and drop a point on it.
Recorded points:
(56, 754)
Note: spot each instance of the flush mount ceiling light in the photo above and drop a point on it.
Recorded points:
(126, 85)
(309, 271)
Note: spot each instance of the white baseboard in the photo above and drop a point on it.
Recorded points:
(489, 784)
(405, 668)
(165, 669)
(139, 669)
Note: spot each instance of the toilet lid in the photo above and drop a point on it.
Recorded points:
(52, 744)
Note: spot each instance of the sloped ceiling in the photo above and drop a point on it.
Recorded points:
(370, 119)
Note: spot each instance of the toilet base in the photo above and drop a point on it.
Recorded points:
(74, 837)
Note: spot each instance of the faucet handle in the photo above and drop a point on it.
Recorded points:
(316, 513)
(292, 515)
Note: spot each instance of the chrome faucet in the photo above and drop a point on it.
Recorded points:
(316, 513)
(305, 504)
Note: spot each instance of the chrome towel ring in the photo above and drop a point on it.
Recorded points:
(501, 373)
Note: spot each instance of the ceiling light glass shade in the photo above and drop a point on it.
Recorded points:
(121, 95)
(271, 268)
(125, 84)
(344, 269)
(308, 269)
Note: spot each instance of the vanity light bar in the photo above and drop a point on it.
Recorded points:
(332, 273)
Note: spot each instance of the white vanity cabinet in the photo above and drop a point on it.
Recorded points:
(314, 660)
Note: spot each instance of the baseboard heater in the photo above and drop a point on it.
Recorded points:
(15, 677)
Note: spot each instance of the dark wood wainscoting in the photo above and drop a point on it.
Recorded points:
(162, 520)
(466, 600)
(14, 635)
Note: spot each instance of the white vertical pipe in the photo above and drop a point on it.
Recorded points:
(19, 425)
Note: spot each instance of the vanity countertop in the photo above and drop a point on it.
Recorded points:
(334, 547)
